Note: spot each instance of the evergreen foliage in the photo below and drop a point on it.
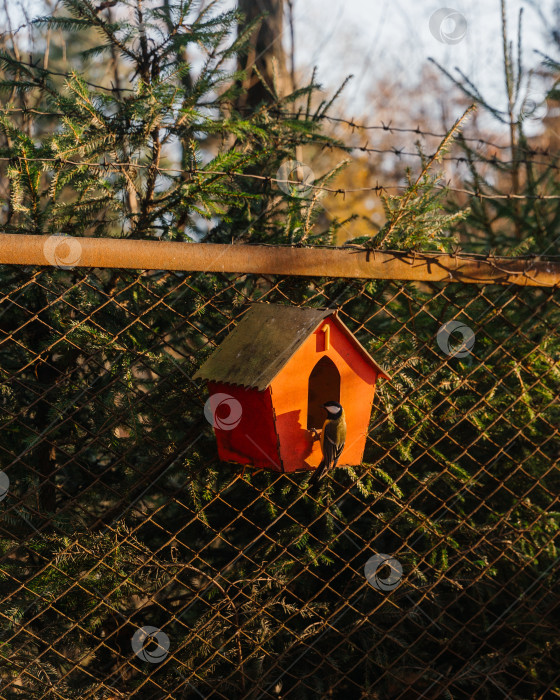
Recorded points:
(119, 514)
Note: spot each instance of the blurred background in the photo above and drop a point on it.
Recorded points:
(407, 71)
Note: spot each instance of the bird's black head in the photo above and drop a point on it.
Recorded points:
(333, 408)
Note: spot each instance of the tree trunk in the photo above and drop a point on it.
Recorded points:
(265, 53)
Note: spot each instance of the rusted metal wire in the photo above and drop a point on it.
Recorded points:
(117, 518)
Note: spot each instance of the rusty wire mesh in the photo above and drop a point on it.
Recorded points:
(118, 519)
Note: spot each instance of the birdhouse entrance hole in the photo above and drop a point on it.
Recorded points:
(324, 385)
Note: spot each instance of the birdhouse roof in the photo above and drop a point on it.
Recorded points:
(264, 340)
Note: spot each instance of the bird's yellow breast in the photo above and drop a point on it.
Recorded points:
(323, 433)
(340, 423)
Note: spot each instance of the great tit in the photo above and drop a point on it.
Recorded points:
(333, 437)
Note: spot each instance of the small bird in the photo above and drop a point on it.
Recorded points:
(333, 437)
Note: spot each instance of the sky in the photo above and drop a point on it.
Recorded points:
(376, 39)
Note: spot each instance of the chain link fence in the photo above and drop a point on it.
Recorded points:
(135, 564)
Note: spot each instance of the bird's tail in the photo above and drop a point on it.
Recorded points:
(318, 473)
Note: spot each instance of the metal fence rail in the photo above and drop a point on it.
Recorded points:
(301, 261)
(135, 564)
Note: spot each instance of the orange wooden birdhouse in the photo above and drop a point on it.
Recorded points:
(269, 379)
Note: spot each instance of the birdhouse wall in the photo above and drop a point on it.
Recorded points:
(291, 396)
(253, 439)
